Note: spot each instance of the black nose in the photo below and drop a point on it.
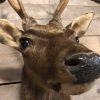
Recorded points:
(85, 66)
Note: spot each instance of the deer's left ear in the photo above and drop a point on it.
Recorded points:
(9, 34)
(80, 24)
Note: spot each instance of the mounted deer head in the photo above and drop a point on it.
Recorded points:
(56, 65)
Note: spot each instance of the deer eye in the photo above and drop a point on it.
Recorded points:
(25, 42)
(77, 39)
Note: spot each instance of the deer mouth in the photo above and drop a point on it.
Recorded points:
(71, 88)
(56, 87)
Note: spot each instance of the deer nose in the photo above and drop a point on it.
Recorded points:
(85, 66)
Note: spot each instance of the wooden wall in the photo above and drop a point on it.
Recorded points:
(10, 60)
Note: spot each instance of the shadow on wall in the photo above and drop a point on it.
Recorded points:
(1, 1)
(10, 74)
(97, 1)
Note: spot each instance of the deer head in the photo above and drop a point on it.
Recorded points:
(54, 60)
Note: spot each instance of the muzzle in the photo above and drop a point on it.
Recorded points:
(85, 66)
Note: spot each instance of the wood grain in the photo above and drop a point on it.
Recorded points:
(33, 1)
(78, 2)
(9, 92)
(12, 92)
(43, 11)
(92, 94)
(11, 63)
(71, 2)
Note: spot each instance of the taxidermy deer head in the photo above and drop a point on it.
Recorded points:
(56, 65)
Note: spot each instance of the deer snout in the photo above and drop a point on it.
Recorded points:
(85, 66)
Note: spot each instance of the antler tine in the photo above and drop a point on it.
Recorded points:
(59, 10)
(18, 7)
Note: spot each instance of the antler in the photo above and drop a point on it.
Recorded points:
(54, 27)
(19, 8)
(30, 25)
(59, 10)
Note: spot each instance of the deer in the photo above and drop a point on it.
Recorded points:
(56, 64)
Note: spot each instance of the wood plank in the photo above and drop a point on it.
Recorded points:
(9, 92)
(78, 2)
(71, 2)
(33, 1)
(91, 94)
(46, 11)
(36, 1)
(92, 43)
(10, 64)
(43, 15)
(13, 93)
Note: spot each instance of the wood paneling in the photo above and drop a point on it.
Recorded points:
(9, 92)
(71, 2)
(11, 63)
(43, 13)
(91, 94)
(33, 1)
(46, 11)
(12, 92)
(78, 2)
(92, 42)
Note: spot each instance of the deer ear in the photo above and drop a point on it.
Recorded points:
(9, 34)
(80, 24)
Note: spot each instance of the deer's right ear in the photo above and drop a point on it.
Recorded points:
(80, 24)
(9, 34)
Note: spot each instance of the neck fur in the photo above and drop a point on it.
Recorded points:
(34, 91)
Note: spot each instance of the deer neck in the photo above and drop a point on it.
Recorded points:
(32, 90)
